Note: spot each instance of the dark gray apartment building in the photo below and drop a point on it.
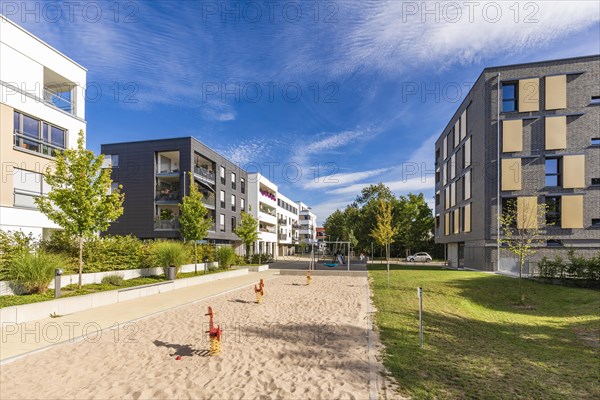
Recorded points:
(529, 133)
(155, 177)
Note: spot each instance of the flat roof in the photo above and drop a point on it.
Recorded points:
(5, 19)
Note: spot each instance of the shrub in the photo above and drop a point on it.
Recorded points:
(225, 256)
(576, 267)
(34, 271)
(167, 253)
(112, 253)
(261, 259)
(115, 280)
(13, 244)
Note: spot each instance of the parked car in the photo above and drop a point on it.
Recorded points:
(420, 257)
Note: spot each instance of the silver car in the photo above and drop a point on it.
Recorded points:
(419, 257)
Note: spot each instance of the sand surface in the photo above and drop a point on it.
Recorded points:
(302, 342)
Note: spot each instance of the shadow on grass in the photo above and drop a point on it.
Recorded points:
(469, 358)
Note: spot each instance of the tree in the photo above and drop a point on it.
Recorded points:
(416, 223)
(193, 221)
(522, 224)
(247, 230)
(80, 200)
(335, 225)
(385, 231)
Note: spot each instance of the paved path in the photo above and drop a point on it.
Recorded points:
(20, 339)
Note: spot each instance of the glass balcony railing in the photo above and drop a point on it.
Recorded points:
(61, 100)
(205, 173)
(166, 224)
(166, 195)
(208, 200)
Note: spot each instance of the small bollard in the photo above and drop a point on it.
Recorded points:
(57, 281)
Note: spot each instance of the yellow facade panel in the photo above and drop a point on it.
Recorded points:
(447, 224)
(529, 95)
(556, 92)
(467, 217)
(571, 212)
(527, 213)
(574, 171)
(511, 174)
(512, 135)
(556, 133)
(456, 221)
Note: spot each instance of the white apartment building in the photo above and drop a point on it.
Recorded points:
(262, 202)
(307, 223)
(287, 225)
(42, 110)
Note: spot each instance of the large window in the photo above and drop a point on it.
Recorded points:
(233, 180)
(509, 97)
(27, 187)
(553, 211)
(222, 198)
(222, 175)
(233, 202)
(553, 173)
(38, 136)
(243, 185)
(243, 204)
(222, 222)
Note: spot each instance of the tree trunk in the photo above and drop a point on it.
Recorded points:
(521, 296)
(196, 258)
(387, 256)
(80, 261)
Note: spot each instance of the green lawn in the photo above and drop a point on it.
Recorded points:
(479, 344)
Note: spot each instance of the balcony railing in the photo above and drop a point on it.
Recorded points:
(167, 196)
(208, 200)
(267, 230)
(61, 100)
(166, 224)
(204, 173)
(268, 211)
(268, 195)
(283, 236)
(282, 221)
(36, 145)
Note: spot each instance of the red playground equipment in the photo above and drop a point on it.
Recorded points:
(214, 335)
(260, 291)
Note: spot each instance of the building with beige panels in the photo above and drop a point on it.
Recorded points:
(528, 133)
(42, 109)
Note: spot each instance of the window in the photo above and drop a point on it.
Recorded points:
(233, 180)
(222, 175)
(437, 199)
(509, 97)
(437, 176)
(222, 222)
(509, 205)
(27, 187)
(222, 198)
(595, 100)
(553, 173)
(243, 185)
(38, 136)
(233, 223)
(467, 186)
(437, 154)
(595, 222)
(553, 211)
(242, 204)
(554, 243)
(233, 202)
(595, 181)
(595, 141)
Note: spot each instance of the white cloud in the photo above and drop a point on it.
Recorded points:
(325, 143)
(248, 151)
(396, 186)
(217, 111)
(334, 180)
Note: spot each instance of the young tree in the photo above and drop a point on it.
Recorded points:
(522, 224)
(247, 230)
(384, 231)
(80, 199)
(194, 221)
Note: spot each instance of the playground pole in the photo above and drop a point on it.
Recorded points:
(348, 262)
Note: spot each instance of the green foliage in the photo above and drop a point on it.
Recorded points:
(260, 259)
(247, 230)
(384, 231)
(34, 271)
(114, 279)
(112, 253)
(167, 253)
(60, 242)
(575, 267)
(225, 256)
(81, 200)
(13, 244)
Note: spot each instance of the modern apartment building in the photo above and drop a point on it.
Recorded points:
(528, 133)
(42, 110)
(262, 198)
(287, 225)
(155, 177)
(308, 224)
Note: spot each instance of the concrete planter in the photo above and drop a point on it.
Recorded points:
(255, 268)
(69, 305)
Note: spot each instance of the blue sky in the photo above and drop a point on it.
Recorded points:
(325, 88)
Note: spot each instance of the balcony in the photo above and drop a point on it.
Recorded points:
(167, 196)
(166, 224)
(282, 221)
(282, 236)
(268, 195)
(266, 229)
(60, 98)
(205, 175)
(208, 200)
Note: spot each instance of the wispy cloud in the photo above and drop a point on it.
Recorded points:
(248, 151)
(335, 179)
(218, 111)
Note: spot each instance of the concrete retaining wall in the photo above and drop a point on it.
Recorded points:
(255, 268)
(69, 305)
(6, 288)
(323, 273)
